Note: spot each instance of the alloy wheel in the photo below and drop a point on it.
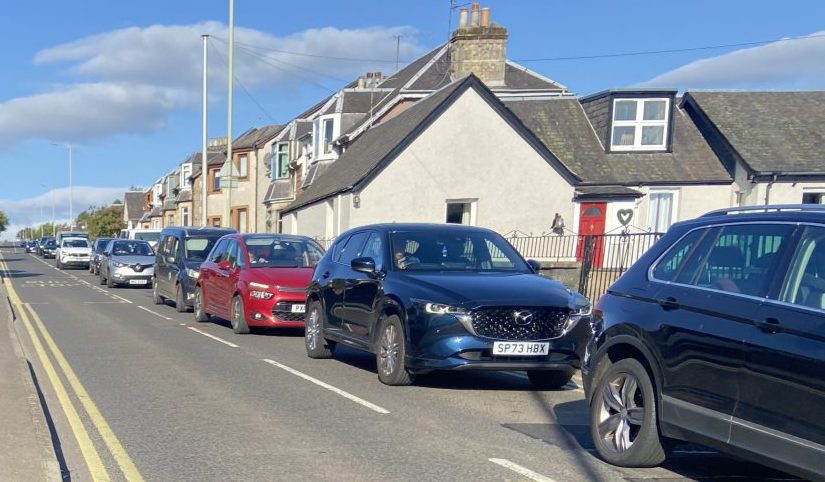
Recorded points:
(621, 412)
(236, 312)
(388, 353)
(313, 330)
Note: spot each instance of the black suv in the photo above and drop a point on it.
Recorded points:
(716, 336)
(179, 255)
(443, 297)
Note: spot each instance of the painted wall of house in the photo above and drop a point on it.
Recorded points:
(469, 153)
(784, 192)
(689, 202)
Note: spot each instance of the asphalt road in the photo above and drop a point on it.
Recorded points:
(164, 398)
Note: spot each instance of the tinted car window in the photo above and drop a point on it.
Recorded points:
(278, 252)
(805, 285)
(741, 258)
(674, 261)
(100, 245)
(131, 248)
(375, 249)
(429, 250)
(352, 249)
(76, 243)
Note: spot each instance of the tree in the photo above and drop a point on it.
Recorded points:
(4, 222)
(107, 221)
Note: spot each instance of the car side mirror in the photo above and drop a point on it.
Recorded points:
(534, 265)
(224, 265)
(363, 265)
(170, 259)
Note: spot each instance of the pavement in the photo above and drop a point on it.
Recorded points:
(137, 391)
(26, 451)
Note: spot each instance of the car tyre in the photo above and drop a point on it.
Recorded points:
(391, 353)
(180, 303)
(156, 297)
(110, 283)
(238, 318)
(549, 379)
(200, 310)
(623, 418)
(316, 345)
(57, 264)
(100, 278)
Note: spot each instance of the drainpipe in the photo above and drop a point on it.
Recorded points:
(768, 189)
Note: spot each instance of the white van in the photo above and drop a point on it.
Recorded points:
(151, 236)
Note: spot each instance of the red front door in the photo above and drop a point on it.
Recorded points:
(592, 218)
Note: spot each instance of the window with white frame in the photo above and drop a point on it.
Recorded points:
(184, 216)
(327, 130)
(461, 211)
(280, 161)
(157, 190)
(639, 124)
(243, 166)
(661, 211)
(185, 173)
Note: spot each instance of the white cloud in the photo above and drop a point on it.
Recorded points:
(36, 210)
(129, 81)
(786, 64)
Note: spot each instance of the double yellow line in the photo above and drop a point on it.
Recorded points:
(36, 329)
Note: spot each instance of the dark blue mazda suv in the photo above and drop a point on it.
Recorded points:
(443, 297)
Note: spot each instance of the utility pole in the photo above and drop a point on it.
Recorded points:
(229, 163)
(204, 157)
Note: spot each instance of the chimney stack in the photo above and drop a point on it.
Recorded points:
(462, 18)
(479, 48)
(485, 17)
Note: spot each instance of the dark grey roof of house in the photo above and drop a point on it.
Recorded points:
(278, 190)
(133, 200)
(185, 196)
(268, 132)
(562, 125)
(772, 132)
(378, 144)
(400, 78)
(585, 192)
(246, 140)
(302, 128)
(156, 211)
(170, 204)
(213, 158)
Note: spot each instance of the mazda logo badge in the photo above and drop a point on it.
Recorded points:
(523, 318)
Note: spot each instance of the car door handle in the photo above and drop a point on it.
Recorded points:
(769, 325)
(669, 303)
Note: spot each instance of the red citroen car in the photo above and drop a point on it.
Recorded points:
(257, 280)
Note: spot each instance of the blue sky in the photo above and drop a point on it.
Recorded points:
(121, 80)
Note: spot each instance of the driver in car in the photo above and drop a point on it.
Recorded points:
(404, 259)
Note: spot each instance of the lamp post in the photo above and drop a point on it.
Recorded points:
(71, 185)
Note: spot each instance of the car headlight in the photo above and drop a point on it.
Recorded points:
(192, 273)
(118, 264)
(582, 311)
(439, 309)
(261, 295)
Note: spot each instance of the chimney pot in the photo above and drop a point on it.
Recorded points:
(369, 75)
(474, 15)
(462, 18)
(485, 17)
(361, 82)
(378, 77)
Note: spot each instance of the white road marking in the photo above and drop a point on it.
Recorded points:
(155, 313)
(211, 336)
(182, 324)
(102, 303)
(122, 299)
(523, 471)
(329, 387)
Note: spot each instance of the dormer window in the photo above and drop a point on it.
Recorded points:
(640, 124)
(185, 173)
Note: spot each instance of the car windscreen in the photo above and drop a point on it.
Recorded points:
(75, 243)
(100, 244)
(276, 252)
(151, 237)
(196, 249)
(132, 248)
(452, 250)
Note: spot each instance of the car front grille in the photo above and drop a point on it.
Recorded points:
(283, 311)
(517, 323)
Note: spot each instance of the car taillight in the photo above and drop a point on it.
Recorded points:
(597, 308)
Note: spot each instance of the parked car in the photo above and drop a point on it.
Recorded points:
(443, 297)
(97, 248)
(70, 234)
(179, 256)
(127, 262)
(48, 249)
(716, 336)
(257, 280)
(73, 252)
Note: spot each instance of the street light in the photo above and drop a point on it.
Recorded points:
(71, 186)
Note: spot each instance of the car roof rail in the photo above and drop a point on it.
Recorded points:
(766, 209)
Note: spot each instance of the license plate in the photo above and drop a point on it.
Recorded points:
(299, 308)
(520, 348)
(138, 281)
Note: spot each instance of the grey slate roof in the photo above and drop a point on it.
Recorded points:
(279, 189)
(133, 201)
(185, 196)
(771, 132)
(562, 125)
(170, 204)
(378, 144)
(213, 158)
